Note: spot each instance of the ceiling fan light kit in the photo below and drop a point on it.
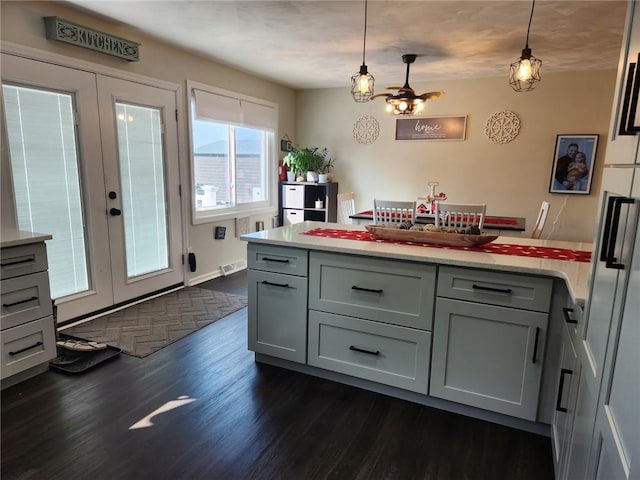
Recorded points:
(362, 82)
(406, 102)
(525, 72)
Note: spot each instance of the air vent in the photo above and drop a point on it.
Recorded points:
(236, 266)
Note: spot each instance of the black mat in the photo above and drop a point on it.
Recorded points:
(71, 361)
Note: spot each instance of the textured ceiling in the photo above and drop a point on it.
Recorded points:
(318, 44)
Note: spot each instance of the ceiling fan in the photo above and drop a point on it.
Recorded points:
(406, 102)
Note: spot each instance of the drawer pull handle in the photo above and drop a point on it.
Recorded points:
(279, 260)
(362, 350)
(17, 352)
(506, 291)
(7, 305)
(535, 346)
(373, 290)
(567, 318)
(283, 285)
(17, 262)
(563, 372)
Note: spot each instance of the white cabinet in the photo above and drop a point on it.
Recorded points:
(484, 354)
(371, 318)
(277, 309)
(27, 335)
(298, 202)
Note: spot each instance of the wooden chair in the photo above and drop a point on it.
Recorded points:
(390, 212)
(542, 218)
(346, 207)
(460, 215)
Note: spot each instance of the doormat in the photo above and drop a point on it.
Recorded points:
(142, 329)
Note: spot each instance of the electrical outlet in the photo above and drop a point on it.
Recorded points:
(242, 226)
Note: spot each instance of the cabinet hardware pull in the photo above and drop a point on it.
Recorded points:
(373, 290)
(492, 289)
(563, 372)
(567, 318)
(611, 261)
(7, 305)
(279, 260)
(17, 352)
(606, 232)
(17, 262)
(535, 346)
(362, 350)
(283, 285)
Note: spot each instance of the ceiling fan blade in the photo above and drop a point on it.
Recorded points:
(382, 95)
(431, 95)
(395, 88)
(407, 89)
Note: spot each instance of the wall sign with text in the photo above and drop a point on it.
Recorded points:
(431, 128)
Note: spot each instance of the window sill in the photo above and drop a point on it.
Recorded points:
(212, 217)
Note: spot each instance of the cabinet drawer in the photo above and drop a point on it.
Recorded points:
(495, 288)
(291, 261)
(24, 299)
(293, 196)
(22, 260)
(27, 345)
(291, 216)
(389, 291)
(388, 354)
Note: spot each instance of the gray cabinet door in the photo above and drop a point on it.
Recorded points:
(277, 315)
(566, 396)
(488, 357)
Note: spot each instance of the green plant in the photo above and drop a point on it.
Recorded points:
(308, 159)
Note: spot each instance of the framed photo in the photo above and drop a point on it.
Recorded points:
(573, 163)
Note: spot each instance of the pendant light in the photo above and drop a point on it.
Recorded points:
(525, 73)
(362, 82)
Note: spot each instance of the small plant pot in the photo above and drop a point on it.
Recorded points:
(323, 178)
(319, 204)
(291, 176)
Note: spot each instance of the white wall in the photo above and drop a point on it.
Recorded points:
(513, 179)
(22, 24)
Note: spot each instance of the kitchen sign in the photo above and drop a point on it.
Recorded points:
(431, 128)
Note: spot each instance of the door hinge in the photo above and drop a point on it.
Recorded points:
(183, 258)
(176, 114)
(75, 117)
(179, 190)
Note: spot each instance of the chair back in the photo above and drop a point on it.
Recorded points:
(346, 207)
(460, 215)
(542, 218)
(390, 211)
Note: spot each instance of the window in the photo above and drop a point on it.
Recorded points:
(232, 154)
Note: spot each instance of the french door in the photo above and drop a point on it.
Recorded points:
(94, 162)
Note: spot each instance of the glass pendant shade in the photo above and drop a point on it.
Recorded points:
(362, 85)
(525, 72)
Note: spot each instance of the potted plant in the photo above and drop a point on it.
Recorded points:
(324, 175)
(308, 160)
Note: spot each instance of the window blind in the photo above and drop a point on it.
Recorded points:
(221, 108)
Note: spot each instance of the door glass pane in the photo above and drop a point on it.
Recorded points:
(44, 164)
(142, 180)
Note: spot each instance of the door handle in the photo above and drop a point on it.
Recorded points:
(611, 261)
(115, 212)
(566, 311)
(563, 372)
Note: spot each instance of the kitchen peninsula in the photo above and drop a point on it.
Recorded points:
(469, 331)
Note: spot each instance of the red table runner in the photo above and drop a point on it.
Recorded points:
(487, 220)
(500, 248)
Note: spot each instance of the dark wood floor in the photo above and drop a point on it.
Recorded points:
(249, 421)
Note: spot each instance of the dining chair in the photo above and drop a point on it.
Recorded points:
(542, 218)
(391, 211)
(460, 215)
(346, 207)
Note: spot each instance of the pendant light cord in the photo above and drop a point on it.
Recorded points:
(364, 43)
(528, 28)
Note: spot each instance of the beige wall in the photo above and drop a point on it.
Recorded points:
(22, 24)
(513, 179)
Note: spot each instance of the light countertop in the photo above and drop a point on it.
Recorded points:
(575, 274)
(11, 237)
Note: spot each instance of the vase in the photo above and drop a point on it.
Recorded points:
(291, 176)
(323, 178)
(312, 176)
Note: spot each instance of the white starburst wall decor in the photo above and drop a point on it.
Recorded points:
(366, 129)
(502, 127)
